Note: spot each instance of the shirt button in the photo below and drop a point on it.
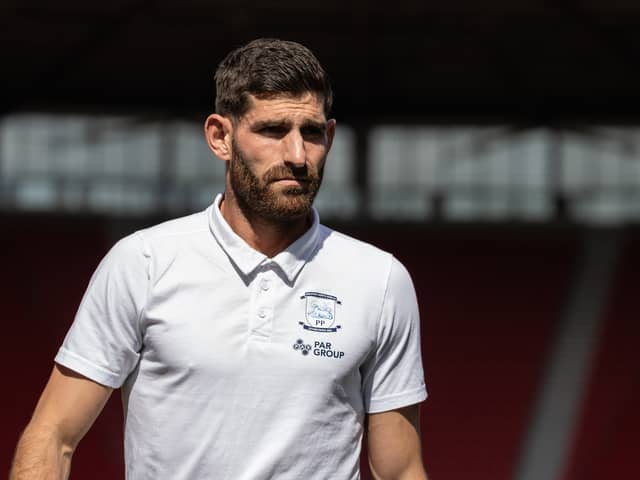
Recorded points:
(262, 314)
(264, 285)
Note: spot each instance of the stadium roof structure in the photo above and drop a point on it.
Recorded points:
(531, 61)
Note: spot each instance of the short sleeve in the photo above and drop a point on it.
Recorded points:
(104, 340)
(393, 376)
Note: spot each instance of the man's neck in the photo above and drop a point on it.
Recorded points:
(265, 236)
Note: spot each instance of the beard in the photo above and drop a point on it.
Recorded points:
(262, 198)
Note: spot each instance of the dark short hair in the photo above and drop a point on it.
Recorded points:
(267, 68)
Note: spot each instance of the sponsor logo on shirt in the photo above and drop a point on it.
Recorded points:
(319, 349)
(320, 312)
(304, 348)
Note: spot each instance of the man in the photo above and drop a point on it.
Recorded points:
(250, 341)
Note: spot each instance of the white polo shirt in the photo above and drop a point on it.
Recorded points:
(241, 367)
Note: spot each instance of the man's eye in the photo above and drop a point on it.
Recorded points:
(312, 132)
(273, 130)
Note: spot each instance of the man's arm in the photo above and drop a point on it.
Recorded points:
(66, 410)
(393, 442)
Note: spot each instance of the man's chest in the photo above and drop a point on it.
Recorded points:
(219, 326)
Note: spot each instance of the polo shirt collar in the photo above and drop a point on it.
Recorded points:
(247, 259)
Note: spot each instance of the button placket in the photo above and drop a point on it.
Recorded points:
(263, 316)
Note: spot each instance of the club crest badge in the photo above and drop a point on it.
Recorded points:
(320, 312)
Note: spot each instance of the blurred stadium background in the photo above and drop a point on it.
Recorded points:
(494, 147)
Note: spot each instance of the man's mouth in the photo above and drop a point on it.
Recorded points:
(291, 179)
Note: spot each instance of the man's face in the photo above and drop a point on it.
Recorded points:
(279, 148)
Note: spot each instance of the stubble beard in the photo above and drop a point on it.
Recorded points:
(260, 198)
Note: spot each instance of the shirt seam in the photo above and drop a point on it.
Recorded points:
(175, 234)
(383, 303)
(146, 253)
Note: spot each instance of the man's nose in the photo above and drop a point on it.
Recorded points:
(295, 153)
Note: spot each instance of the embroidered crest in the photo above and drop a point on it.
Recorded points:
(320, 312)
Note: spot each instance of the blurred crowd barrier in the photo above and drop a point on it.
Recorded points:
(144, 165)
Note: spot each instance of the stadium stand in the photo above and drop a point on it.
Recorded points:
(490, 299)
(47, 264)
(605, 443)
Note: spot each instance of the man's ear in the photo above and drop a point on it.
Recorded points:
(217, 131)
(331, 132)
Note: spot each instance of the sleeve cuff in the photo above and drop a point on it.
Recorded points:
(391, 402)
(88, 369)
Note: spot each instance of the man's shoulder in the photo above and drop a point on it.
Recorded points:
(350, 249)
(166, 239)
(190, 225)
